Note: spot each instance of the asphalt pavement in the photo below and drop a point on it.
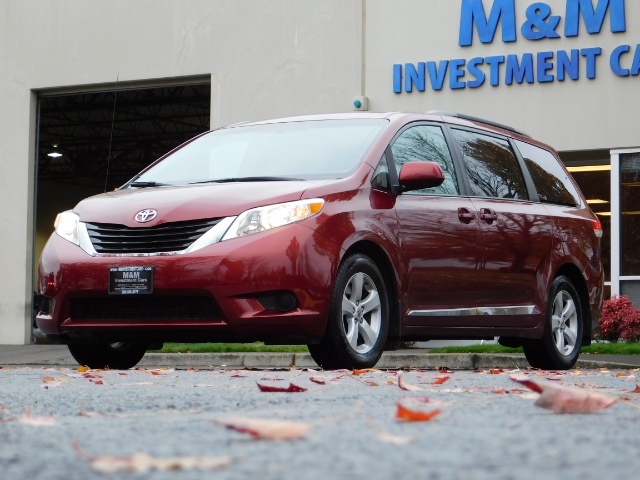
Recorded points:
(57, 423)
(58, 355)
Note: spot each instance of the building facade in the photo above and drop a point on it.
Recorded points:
(565, 71)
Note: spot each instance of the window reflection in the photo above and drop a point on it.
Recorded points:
(492, 167)
(426, 143)
(551, 181)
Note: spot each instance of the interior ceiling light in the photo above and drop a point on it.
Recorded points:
(595, 201)
(54, 154)
(631, 184)
(590, 168)
(604, 214)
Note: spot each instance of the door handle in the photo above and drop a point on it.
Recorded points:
(465, 215)
(488, 215)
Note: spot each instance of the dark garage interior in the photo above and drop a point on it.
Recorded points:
(93, 142)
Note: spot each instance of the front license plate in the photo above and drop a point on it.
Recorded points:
(130, 280)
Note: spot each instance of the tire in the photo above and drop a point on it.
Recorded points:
(116, 356)
(358, 317)
(560, 345)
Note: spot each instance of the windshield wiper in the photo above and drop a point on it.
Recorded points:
(248, 179)
(147, 184)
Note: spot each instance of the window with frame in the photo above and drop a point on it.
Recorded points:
(552, 182)
(426, 143)
(491, 166)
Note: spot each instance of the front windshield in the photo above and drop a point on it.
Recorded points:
(295, 150)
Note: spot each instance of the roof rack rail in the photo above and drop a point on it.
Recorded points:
(476, 119)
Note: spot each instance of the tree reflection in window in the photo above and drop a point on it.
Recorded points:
(491, 165)
(550, 179)
(426, 143)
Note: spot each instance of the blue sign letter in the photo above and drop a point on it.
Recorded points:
(594, 18)
(414, 77)
(473, 14)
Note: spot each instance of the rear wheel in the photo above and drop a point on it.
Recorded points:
(560, 345)
(116, 356)
(358, 319)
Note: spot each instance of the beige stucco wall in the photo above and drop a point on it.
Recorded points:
(570, 115)
(270, 58)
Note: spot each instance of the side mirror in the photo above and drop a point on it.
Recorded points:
(419, 175)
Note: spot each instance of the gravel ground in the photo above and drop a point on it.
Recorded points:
(488, 428)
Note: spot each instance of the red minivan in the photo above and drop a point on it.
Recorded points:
(349, 233)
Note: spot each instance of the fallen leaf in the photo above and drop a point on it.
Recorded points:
(407, 415)
(371, 384)
(50, 381)
(407, 386)
(440, 380)
(364, 370)
(142, 463)
(563, 399)
(496, 371)
(82, 368)
(37, 421)
(637, 390)
(290, 389)
(318, 380)
(266, 429)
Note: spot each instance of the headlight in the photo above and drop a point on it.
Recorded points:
(66, 225)
(272, 216)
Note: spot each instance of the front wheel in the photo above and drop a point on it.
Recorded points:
(116, 356)
(560, 345)
(358, 319)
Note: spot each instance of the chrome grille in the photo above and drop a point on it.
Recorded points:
(167, 237)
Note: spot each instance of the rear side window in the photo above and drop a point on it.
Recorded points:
(492, 167)
(552, 182)
(426, 143)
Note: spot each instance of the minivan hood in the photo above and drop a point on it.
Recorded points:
(192, 202)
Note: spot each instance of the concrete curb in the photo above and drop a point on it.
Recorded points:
(389, 360)
(58, 355)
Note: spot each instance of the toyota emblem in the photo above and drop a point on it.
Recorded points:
(144, 216)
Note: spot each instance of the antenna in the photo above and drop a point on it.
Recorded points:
(113, 120)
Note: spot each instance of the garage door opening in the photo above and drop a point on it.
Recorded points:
(93, 142)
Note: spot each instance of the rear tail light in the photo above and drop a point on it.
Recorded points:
(597, 227)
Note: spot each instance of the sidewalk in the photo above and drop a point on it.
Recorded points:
(58, 355)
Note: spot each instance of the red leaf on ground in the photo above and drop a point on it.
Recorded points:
(317, 380)
(364, 370)
(562, 399)
(637, 390)
(440, 380)
(267, 429)
(407, 415)
(290, 389)
(496, 371)
(371, 384)
(48, 379)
